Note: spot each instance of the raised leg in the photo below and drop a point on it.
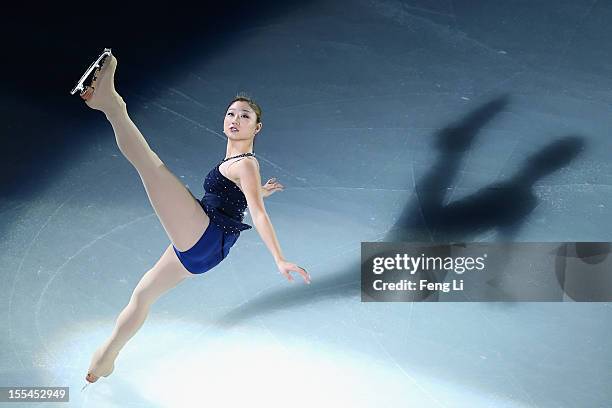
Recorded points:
(165, 274)
(178, 211)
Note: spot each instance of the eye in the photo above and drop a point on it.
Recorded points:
(245, 116)
(229, 113)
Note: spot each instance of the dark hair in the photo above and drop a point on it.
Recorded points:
(243, 97)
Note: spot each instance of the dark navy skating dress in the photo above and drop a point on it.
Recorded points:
(225, 204)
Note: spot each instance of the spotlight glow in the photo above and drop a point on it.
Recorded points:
(182, 364)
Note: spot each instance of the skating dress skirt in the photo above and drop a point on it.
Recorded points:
(225, 204)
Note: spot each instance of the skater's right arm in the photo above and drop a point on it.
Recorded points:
(270, 187)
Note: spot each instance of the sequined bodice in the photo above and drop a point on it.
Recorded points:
(223, 201)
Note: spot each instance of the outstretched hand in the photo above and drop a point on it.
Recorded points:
(285, 267)
(270, 187)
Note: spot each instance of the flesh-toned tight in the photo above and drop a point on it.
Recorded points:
(177, 209)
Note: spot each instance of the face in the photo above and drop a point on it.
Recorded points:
(240, 121)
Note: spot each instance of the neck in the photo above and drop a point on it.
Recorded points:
(234, 148)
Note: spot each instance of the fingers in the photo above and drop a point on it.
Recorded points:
(273, 187)
(273, 183)
(304, 274)
(288, 267)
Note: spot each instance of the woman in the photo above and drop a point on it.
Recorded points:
(202, 233)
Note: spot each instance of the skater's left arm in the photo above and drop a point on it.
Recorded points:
(250, 182)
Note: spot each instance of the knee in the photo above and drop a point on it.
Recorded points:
(151, 168)
(142, 298)
(142, 159)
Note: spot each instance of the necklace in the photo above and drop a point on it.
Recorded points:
(240, 155)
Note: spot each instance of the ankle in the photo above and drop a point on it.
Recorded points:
(119, 109)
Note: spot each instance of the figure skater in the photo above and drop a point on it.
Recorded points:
(201, 232)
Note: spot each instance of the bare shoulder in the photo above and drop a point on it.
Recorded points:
(249, 165)
(249, 162)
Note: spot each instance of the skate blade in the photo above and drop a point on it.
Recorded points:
(96, 64)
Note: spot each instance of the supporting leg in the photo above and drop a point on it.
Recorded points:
(165, 275)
